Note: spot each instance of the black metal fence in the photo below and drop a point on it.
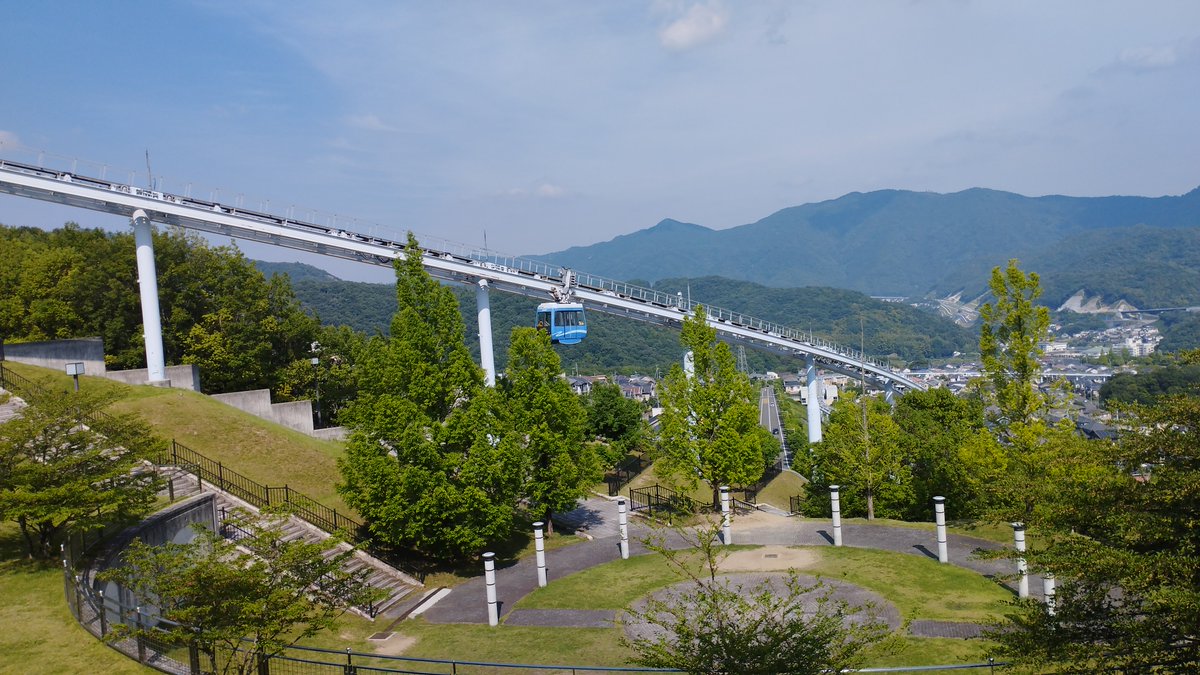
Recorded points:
(662, 499)
(259, 495)
(15, 383)
(626, 471)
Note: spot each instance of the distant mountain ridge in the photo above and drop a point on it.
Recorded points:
(896, 242)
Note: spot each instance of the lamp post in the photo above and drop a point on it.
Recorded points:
(316, 361)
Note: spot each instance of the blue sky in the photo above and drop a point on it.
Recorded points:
(552, 124)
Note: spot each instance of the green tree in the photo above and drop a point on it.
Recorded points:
(615, 419)
(428, 462)
(242, 601)
(710, 428)
(547, 421)
(64, 464)
(867, 463)
(1013, 328)
(339, 348)
(950, 452)
(1124, 553)
(712, 625)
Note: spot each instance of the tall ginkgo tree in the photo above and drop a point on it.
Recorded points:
(709, 425)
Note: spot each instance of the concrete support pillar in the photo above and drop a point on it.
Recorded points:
(540, 547)
(1022, 566)
(489, 578)
(623, 524)
(148, 285)
(889, 393)
(727, 526)
(836, 501)
(487, 360)
(939, 516)
(1048, 591)
(814, 400)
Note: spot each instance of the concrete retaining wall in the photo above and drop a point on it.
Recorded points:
(332, 433)
(296, 415)
(171, 524)
(56, 354)
(181, 377)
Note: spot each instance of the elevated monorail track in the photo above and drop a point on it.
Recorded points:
(445, 261)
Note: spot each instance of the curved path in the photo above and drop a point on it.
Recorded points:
(515, 579)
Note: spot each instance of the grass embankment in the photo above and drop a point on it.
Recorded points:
(263, 451)
(40, 635)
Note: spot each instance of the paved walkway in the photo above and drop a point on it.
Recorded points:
(516, 579)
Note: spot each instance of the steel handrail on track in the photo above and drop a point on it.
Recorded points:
(446, 261)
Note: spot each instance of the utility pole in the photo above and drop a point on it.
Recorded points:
(862, 383)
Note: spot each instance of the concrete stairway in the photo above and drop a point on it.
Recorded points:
(11, 407)
(403, 592)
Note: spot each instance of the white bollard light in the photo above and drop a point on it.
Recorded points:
(836, 502)
(939, 515)
(1022, 567)
(623, 523)
(1048, 591)
(727, 527)
(489, 578)
(540, 546)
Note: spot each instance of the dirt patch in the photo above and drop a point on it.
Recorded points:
(395, 645)
(768, 559)
(752, 519)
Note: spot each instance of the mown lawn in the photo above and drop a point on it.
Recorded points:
(39, 634)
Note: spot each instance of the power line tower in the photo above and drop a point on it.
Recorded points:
(742, 366)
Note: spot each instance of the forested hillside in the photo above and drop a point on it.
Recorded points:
(218, 312)
(612, 343)
(895, 242)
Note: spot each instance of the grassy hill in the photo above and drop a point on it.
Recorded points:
(260, 450)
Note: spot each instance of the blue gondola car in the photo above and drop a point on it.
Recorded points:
(563, 320)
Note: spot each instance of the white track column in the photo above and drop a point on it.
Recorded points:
(148, 285)
(814, 400)
(487, 360)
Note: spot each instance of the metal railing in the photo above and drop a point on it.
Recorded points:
(625, 472)
(259, 495)
(662, 499)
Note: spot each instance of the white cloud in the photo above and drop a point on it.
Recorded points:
(549, 191)
(541, 191)
(1149, 58)
(699, 24)
(368, 122)
(9, 138)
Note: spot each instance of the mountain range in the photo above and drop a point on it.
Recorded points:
(925, 244)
